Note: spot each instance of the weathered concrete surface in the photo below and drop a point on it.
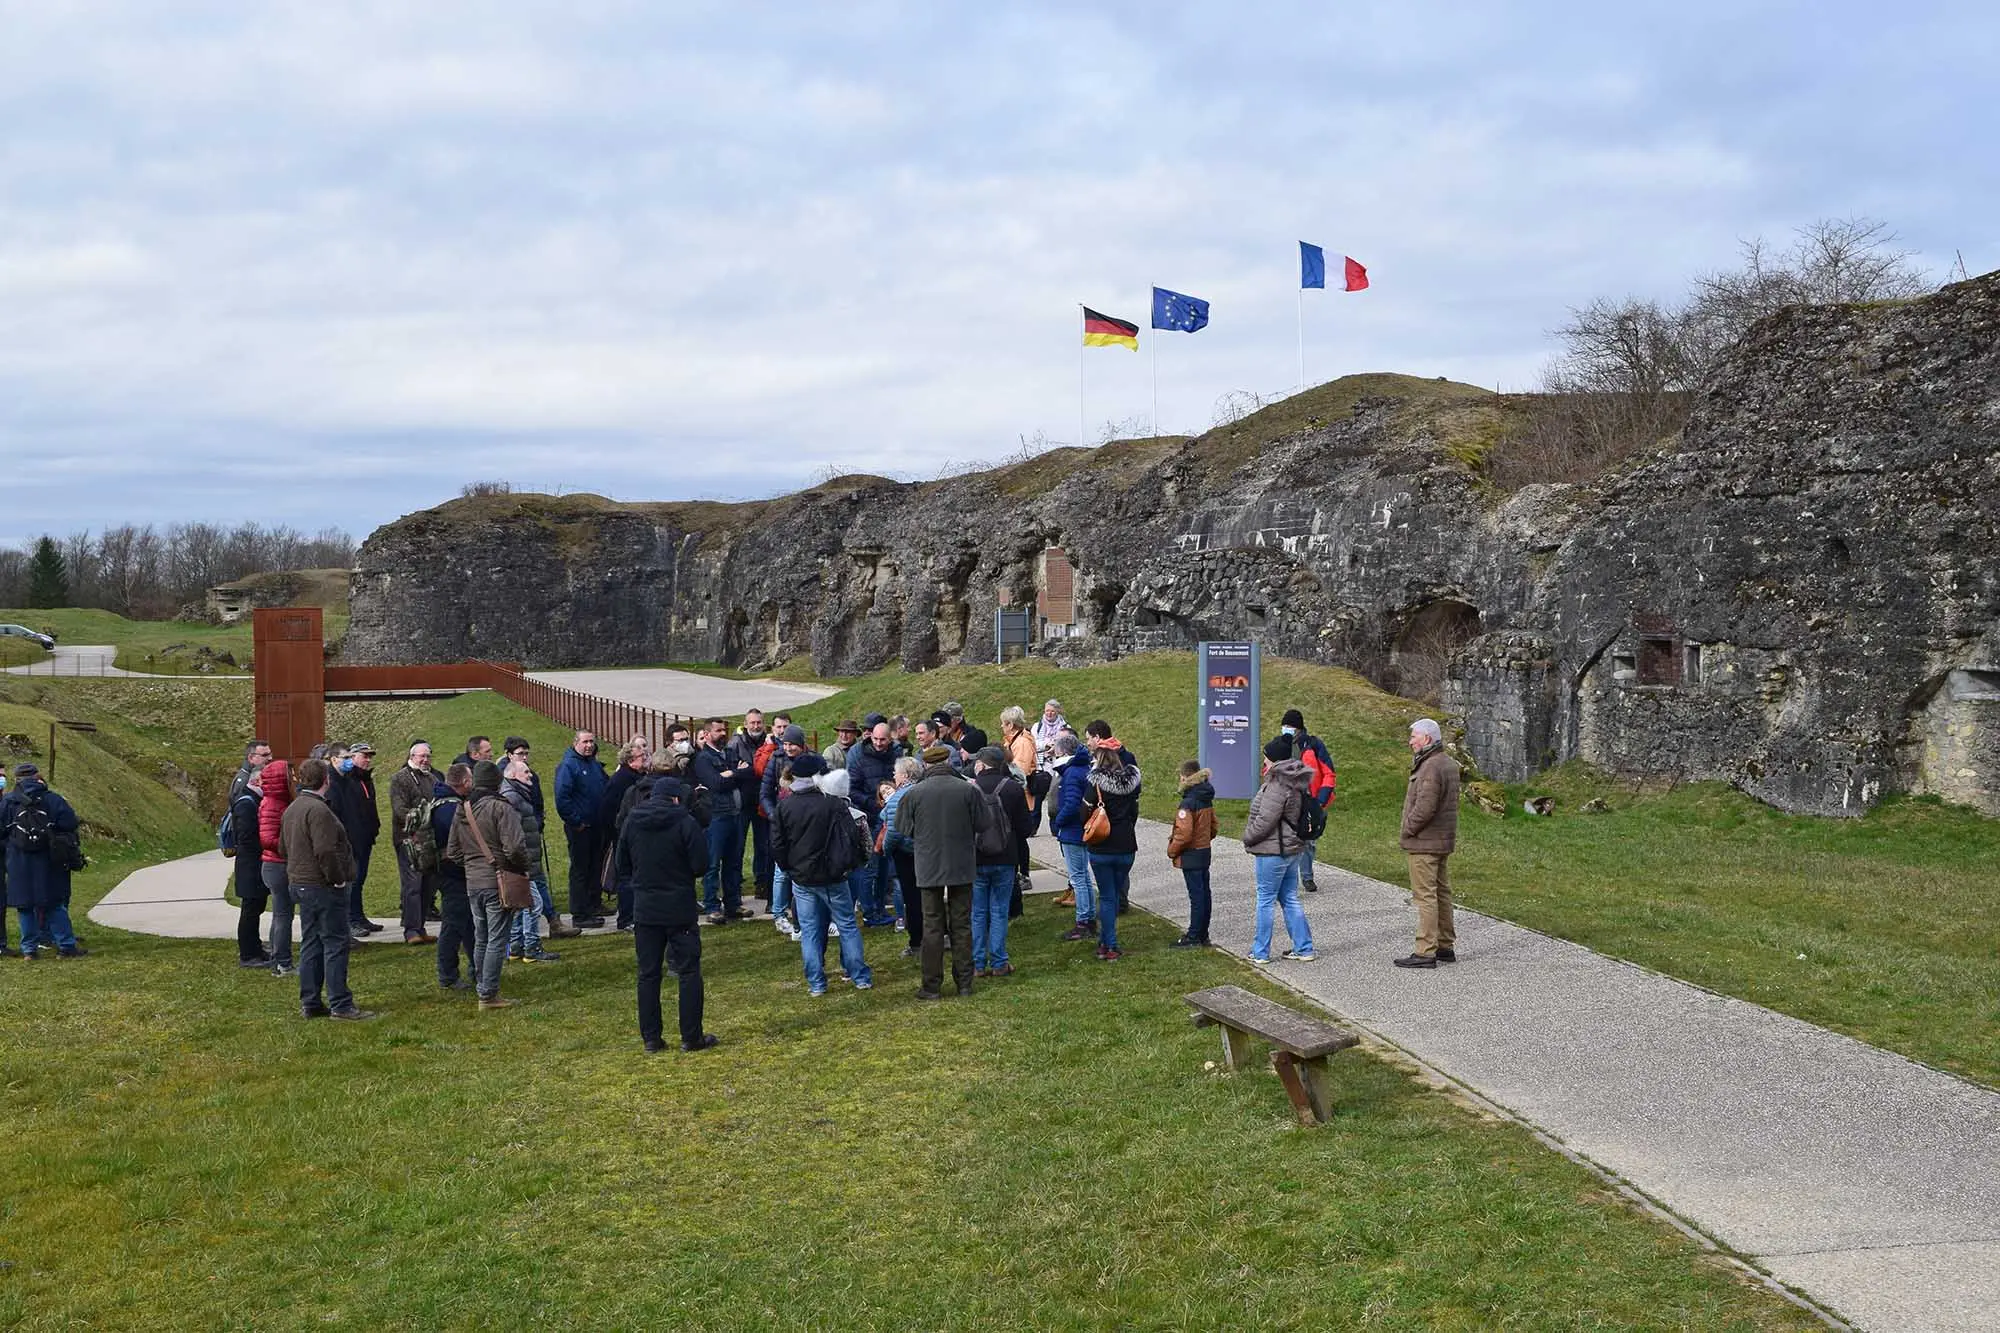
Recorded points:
(1801, 597)
(1868, 1182)
(688, 692)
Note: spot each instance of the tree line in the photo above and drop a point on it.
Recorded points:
(149, 573)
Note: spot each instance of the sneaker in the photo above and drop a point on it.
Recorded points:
(1308, 886)
(911, 951)
(1261, 962)
(708, 1041)
(864, 985)
(354, 1015)
(1186, 942)
(497, 1002)
(1417, 960)
(541, 956)
(627, 929)
(74, 951)
(1299, 956)
(833, 930)
(1079, 932)
(713, 919)
(1108, 955)
(370, 926)
(1447, 955)
(283, 970)
(745, 913)
(815, 994)
(260, 964)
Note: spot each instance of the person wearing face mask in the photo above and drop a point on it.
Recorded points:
(775, 788)
(1311, 751)
(352, 798)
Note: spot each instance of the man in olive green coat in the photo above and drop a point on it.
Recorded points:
(1429, 834)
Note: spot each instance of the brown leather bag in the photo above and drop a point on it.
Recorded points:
(516, 893)
(1097, 827)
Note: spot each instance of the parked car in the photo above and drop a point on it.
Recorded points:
(23, 632)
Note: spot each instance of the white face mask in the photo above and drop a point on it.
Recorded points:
(683, 747)
(1290, 731)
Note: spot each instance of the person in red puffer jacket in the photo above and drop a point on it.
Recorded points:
(276, 780)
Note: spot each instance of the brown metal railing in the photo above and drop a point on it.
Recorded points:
(613, 720)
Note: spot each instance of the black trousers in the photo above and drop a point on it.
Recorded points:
(412, 894)
(913, 901)
(454, 928)
(586, 863)
(681, 948)
(249, 926)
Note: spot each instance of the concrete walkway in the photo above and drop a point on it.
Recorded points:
(95, 659)
(687, 692)
(1865, 1181)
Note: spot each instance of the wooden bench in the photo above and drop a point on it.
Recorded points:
(1301, 1043)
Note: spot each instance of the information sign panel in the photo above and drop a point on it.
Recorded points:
(1227, 689)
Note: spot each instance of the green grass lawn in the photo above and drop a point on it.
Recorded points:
(1054, 1152)
(1896, 913)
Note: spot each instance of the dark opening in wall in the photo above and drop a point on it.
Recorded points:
(1659, 664)
(1691, 663)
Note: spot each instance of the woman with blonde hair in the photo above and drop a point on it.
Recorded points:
(1021, 754)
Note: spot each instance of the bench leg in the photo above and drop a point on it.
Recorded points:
(1235, 1047)
(1314, 1072)
(1288, 1074)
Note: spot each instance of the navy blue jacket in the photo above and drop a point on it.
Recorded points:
(866, 770)
(579, 789)
(662, 854)
(37, 879)
(1072, 783)
(717, 771)
(441, 819)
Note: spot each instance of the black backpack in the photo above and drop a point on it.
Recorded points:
(997, 836)
(1311, 821)
(31, 830)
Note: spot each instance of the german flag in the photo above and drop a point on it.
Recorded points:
(1104, 331)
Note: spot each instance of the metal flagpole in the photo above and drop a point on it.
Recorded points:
(1153, 350)
(1302, 337)
(1080, 350)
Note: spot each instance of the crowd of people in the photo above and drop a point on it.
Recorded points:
(920, 825)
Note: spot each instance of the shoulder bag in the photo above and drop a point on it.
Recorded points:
(516, 894)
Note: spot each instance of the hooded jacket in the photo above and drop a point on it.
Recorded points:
(942, 814)
(1194, 823)
(1274, 811)
(1118, 792)
(498, 824)
(662, 854)
(1072, 785)
(521, 797)
(814, 838)
(37, 879)
(276, 782)
(246, 826)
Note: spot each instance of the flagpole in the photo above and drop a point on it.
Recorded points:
(1302, 337)
(1153, 351)
(1081, 348)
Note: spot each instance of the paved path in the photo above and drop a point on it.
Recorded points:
(1867, 1182)
(687, 692)
(95, 659)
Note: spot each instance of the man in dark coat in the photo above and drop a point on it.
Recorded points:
(353, 800)
(662, 853)
(42, 848)
(816, 836)
(993, 877)
(732, 784)
(248, 847)
(580, 783)
(617, 799)
(319, 865)
(942, 815)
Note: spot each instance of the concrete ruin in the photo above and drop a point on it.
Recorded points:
(1802, 597)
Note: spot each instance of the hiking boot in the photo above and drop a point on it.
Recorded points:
(541, 956)
(418, 937)
(1299, 956)
(706, 1042)
(559, 931)
(1067, 898)
(1447, 955)
(497, 1002)
(354, 1015)
(1417, 960)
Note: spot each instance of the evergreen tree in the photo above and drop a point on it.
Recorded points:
(48, 577)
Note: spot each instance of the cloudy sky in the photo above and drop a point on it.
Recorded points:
(323, 263)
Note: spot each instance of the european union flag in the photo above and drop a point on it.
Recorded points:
(1312, 265)
(1184, 314)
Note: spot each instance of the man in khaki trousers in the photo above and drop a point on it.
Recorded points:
(1430, 831)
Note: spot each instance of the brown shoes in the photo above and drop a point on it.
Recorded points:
(418, 937)
(498, 1002)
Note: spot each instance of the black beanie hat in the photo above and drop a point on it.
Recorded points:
(486, 776)
(1279, 749)
(1293, 718)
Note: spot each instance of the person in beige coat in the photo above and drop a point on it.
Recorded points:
(1429, 835)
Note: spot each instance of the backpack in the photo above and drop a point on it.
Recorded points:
(420, 834)
(225, 833)
(31, 830)
(1311, 821)
(996, 836)
(847, 853)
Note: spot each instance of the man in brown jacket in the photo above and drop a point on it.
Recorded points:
(505, 846)
(1430, 832)
(319, 865)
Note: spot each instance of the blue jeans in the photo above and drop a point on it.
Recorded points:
(1278, 883)
(1076, 857)
(323, 947)
(43, 926)
(527, 934)
(781, 890)
(817, 903)
(992, 895)
(1199, 901)
(1114, 876)
(880, 879)
(283, 905)
(725, 863)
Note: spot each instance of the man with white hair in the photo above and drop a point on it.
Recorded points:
(1429, 834)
